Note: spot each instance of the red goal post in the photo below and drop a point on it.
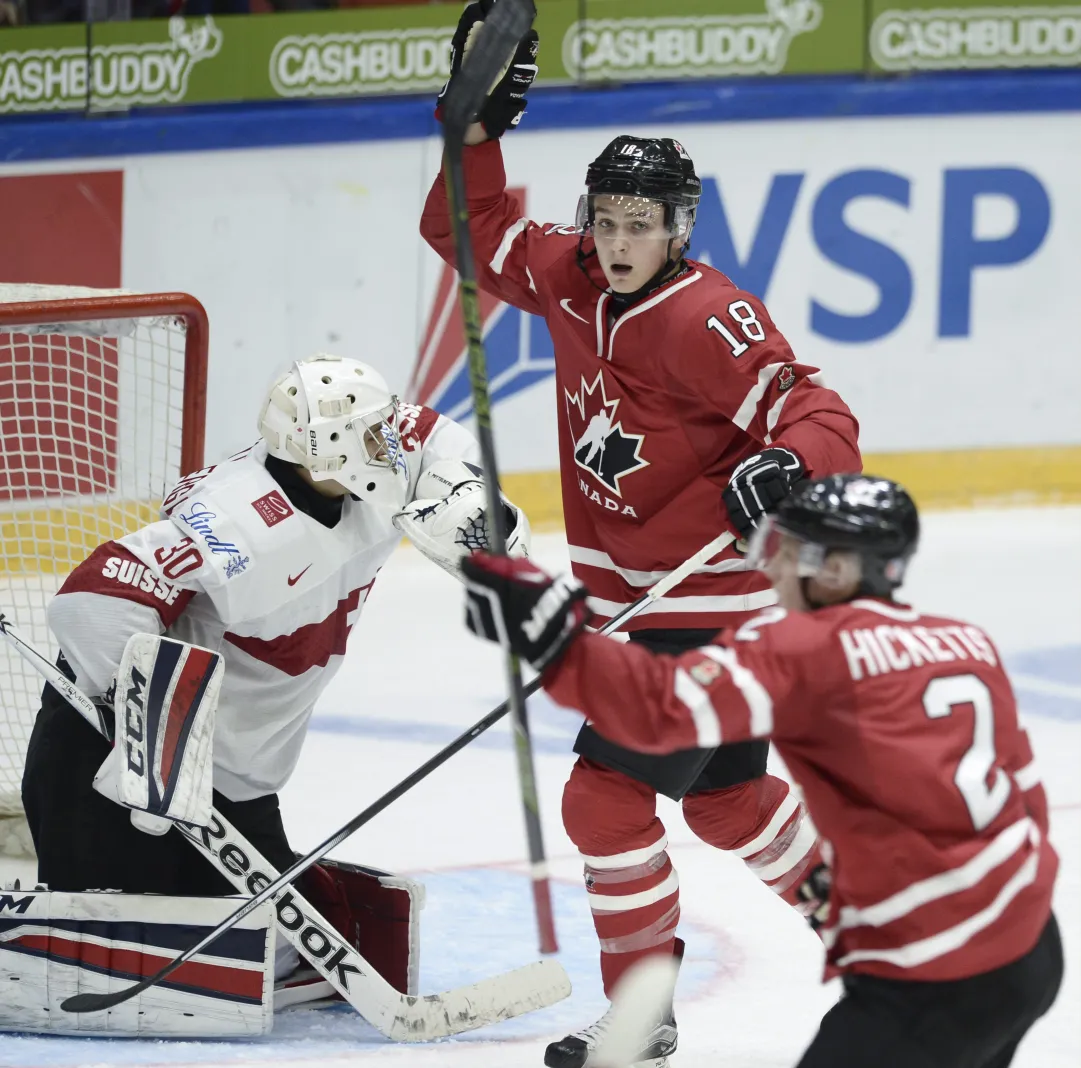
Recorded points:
(102, 409)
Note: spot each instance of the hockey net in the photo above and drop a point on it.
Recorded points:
(102, 400)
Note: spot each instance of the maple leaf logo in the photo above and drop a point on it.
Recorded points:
(601, 446)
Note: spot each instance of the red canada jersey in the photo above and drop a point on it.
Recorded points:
(656, 407)
(902, 731)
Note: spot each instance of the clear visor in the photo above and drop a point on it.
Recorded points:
(771, 545)
(608, 217)
(378, 432)
(778, 552)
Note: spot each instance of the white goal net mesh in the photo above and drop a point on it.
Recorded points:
(92, 435)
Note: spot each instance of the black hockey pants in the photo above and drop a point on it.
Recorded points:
(967, 1023)
(86, 842)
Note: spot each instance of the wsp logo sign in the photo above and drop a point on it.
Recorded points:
(961, 250)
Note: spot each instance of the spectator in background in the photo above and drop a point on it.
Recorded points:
(199, 8)
(19, 12)
(11, 13)
(49, 11)
(42, 11)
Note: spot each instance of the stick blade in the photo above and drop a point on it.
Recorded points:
(507, 24)
(98, 1002)
(502, 997)
(640, 1000)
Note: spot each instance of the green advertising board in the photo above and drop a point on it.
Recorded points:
(639, 40)
(905, 35)
(196, 61)
(387, 50)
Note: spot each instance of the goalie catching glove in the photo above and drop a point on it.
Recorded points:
(449, 519)
(505, 104)
(522, 607)
(161, 765)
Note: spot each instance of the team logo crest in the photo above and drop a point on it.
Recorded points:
(236, 564)
(272, 508)
(786, 379)
(601, 445)
(864, 491)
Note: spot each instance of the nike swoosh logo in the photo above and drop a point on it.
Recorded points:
(293, 581)
(565, 304)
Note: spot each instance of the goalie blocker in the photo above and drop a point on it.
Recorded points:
(162, 760)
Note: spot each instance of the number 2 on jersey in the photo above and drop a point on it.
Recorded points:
(941, 697)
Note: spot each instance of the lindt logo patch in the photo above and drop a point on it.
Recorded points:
(272, 508)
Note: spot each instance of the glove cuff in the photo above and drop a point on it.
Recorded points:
(578, 616)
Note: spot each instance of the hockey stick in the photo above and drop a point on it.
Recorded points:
(505, 26)
(670, 581)
(250, 871)
(401, 1017)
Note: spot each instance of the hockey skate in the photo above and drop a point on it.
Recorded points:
(577, 1049)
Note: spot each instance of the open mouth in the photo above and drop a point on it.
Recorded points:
(621, 270)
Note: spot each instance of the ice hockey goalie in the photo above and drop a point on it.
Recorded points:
(263, 562)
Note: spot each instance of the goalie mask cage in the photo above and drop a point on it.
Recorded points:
(102, 406)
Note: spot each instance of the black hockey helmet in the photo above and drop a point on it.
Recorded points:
(872, 517)
(657, 168)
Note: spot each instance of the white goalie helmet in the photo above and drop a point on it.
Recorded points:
(336, 417)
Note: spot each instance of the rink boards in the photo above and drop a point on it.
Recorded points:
(914, 239)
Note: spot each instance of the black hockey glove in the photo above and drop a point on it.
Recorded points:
(506, 99)
(512, 601)
(814, 896)
(758, 485)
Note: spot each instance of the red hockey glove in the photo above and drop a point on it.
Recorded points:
(506, 98)
(758, 485)
(512, 601)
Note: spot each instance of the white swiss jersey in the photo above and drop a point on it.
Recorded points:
(235, 567)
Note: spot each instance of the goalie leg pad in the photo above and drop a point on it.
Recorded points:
(55, 945)
(376, 912)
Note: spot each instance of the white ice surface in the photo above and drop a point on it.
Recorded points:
(749, 995)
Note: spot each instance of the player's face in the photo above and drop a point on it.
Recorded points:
(781, 565)
(379, 435)
(804, 575)
(631, 238)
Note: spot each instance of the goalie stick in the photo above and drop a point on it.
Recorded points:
(401, 1017)
(506, 24)
(217, 836)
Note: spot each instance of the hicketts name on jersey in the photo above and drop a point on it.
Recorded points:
(872, 651)
(140, 577)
